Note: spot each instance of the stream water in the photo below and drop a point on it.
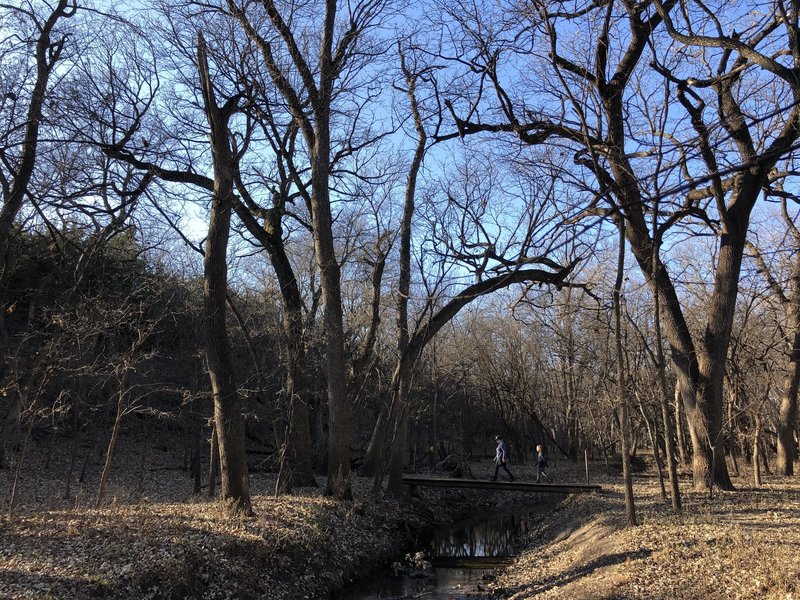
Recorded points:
(463, 557)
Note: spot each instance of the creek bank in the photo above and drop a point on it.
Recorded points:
(736, 545)
(295, 547)
(459, 560)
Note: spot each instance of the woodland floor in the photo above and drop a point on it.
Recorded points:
(152, 539)
(736, 545)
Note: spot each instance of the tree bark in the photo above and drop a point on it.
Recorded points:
(787, 416)
(622, 396)
(680, 437)
(298, 451)
(339, 405)
(756, 454)
(228, 415)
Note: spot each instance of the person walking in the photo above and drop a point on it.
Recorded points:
(541, 465)
(500, 458)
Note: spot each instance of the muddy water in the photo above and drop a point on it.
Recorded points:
(463, 557)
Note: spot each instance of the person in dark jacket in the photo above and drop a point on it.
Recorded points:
(541, 465)
(500, 458)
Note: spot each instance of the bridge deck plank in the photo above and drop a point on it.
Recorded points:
(517, 486)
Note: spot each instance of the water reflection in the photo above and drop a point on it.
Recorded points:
(463, 556)
(489, 537)
(443, 584)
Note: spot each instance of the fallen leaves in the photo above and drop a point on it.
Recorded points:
(739, 545)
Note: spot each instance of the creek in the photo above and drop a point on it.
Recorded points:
(463, 557)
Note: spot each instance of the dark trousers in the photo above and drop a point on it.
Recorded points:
(497, 470)
(540, 474)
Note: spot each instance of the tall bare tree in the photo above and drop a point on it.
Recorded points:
(228, 417)
(596, 90)
(32, 49)
(788, 296)
(310, 77)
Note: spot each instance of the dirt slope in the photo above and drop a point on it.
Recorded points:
(736, 545)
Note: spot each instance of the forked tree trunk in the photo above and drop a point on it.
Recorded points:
(228, 415)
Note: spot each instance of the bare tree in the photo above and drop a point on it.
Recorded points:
(33, 51)
(788, 296)
(228, 416)
(600, 129)
(19, 154)
(128, 400)
(309, 81)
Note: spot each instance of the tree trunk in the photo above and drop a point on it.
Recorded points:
(787, 416)
(756, 453)
(399, 440)
(339, 403)
(112, 443)
(680, 437)
(716, 342)
(214, 466)
(622, 397)
(377, 442)
(227, 403)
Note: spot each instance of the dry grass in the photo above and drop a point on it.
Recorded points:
(736, 545)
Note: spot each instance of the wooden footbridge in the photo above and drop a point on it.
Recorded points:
(514, 486)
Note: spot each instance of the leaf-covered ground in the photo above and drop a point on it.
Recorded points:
(152, 539)
(735, 545)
